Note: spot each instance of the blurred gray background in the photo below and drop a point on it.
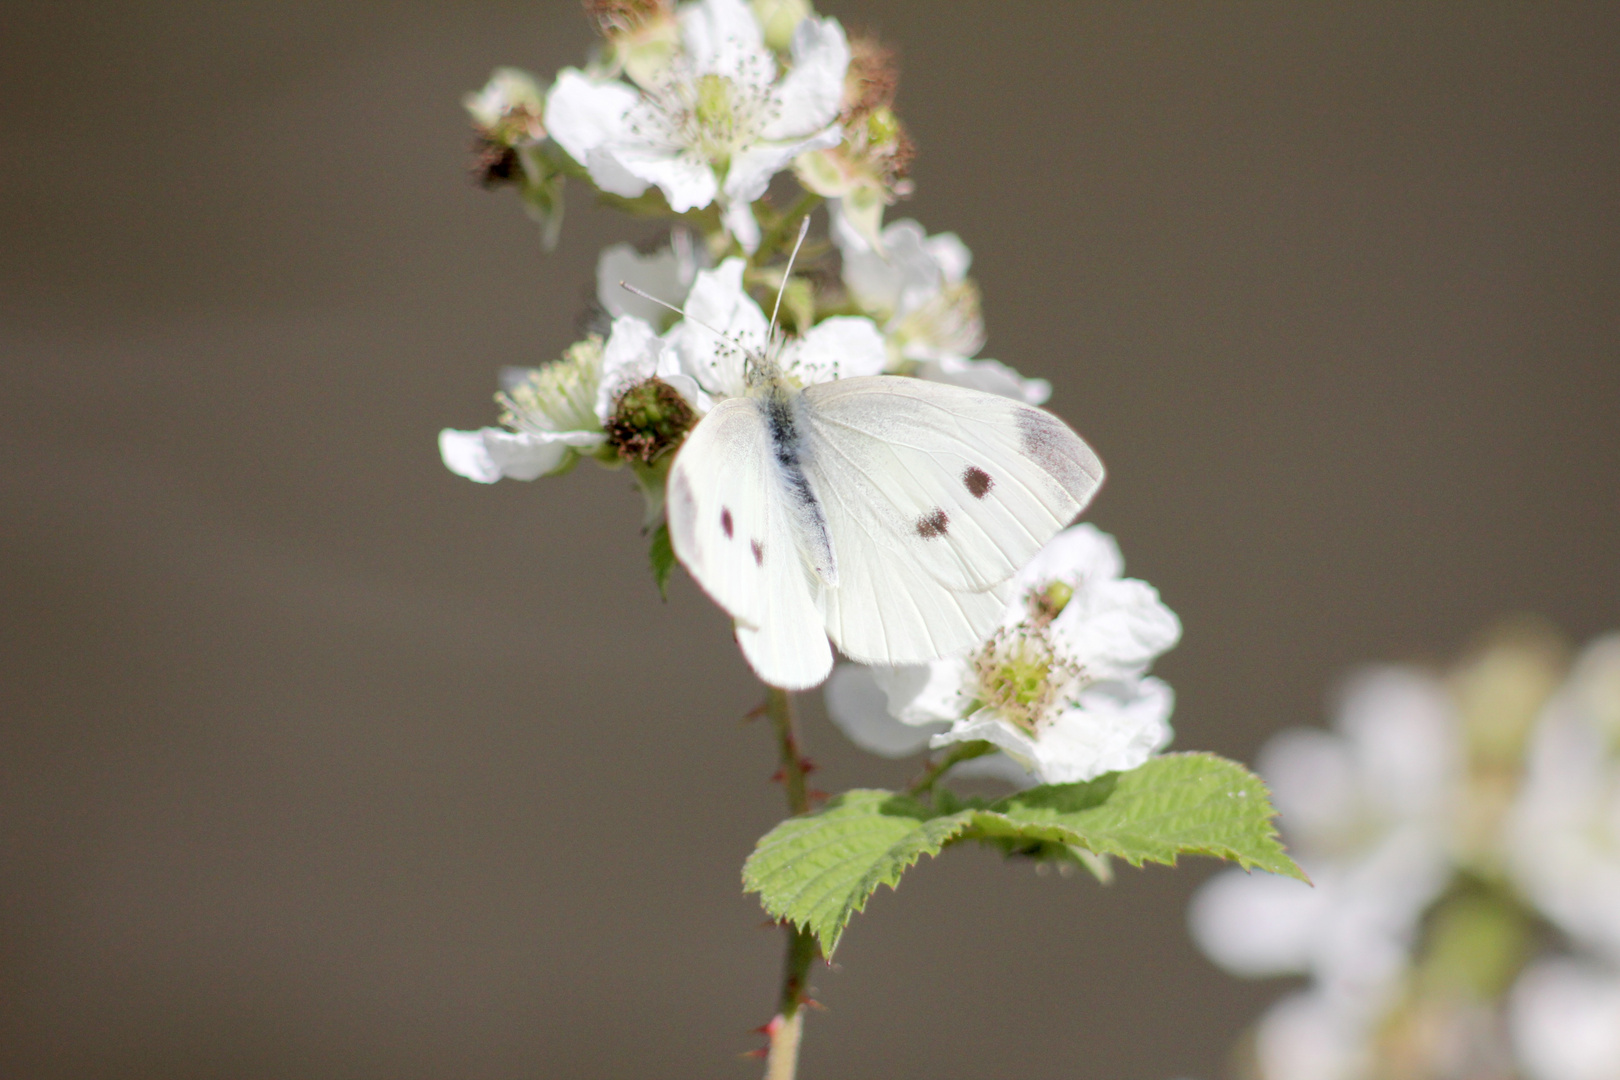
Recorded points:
(318, 761)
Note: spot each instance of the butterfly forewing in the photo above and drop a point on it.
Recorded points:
(962, 485)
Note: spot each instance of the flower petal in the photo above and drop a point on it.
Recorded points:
(1114, 726)
(489, 454)
(718, 304)
(1256, 925)
(1082, 552)
(584, 113)
(1115, 629)
(721, 37)
(926, 693)
(860, 708)
(751, 169)
(629, 356)
(949, 254)
(812, 91)
(837, 348)
(738, 218)
(664, 274)
(686, 179)
(991, 376)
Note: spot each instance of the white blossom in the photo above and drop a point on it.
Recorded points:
(917, 286)
(1367, 813)
(1564, 1017)
(719, 121)
(510, 104)
(665, 274)
(1060, 687)
(1312, 1036)
(557, 412)
(1564, 833)
(724, 327)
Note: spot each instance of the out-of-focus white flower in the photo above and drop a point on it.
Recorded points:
(1367, 812)
(1060, 687)
(715, 124)
(1565, 1021)
(1564, 834)
(665, 274)
(1312, 1036)
(509, 107)
(555, 413)
(723, 327)
(991, 376)
(917, 286)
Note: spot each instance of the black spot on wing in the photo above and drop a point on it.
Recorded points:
(933, 524)
(977, 481)
(725, 521)
(759, 552)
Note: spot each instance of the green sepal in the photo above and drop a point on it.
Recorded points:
(661, 554)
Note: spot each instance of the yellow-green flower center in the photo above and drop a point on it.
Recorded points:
(561, 396)
(1020, 677)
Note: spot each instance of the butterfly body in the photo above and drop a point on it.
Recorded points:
(882, 512)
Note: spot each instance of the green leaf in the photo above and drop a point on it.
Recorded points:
(661, 553)
(1178, 804)
(819, 869)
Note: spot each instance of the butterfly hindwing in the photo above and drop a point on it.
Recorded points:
(732, 525)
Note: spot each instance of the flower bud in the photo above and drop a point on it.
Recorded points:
(649, 419)
(642, 36)
(778, 19)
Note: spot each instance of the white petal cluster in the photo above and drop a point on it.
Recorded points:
(1061, 688)
(1366, 812)
(511, 98)
(557, 412)
(715, 123)
(1565, 834)
(917, 286)
(1414, 800)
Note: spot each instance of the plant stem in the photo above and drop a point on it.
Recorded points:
(959, 753)
(782, 1059)
(786, 226)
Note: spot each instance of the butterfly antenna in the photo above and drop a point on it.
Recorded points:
(666, 304)
(804, 227)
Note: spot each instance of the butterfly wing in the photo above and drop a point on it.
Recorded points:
(934, 496)
(731, 526)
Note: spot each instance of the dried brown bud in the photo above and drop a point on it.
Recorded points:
(872, 79)
(495, 163)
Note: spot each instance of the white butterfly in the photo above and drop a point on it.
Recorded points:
(885, 513)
